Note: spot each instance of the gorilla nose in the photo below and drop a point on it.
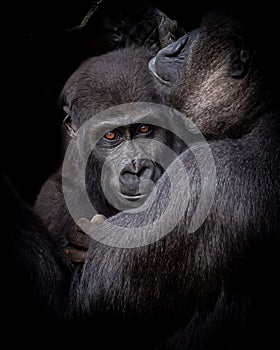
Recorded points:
(134, 173)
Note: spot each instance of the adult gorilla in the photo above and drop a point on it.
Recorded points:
(213, 288)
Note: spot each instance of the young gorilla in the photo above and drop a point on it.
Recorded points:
(113, 79)
(215, 287)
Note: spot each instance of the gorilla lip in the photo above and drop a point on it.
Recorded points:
(171, 50)
(162, 65)
(177, 47)
(152, 67)
(132, 197)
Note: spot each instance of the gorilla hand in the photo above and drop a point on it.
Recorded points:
(79, 241)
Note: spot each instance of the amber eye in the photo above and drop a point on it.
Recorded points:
(144, 129)
(111, 135)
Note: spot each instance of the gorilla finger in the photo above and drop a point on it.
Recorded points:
(89, 227)
(79, 238)
(75, 255)
(83, 225)
(98, 219)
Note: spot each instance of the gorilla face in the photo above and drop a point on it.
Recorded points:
(123, 167)
(122, 152)
(182, 61)
(128, 167)
(205, 72)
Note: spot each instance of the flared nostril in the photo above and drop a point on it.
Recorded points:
(146, 173)
(138, 167)
(138, 171)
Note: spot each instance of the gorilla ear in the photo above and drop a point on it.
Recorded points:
(68, 124)
(240, 58)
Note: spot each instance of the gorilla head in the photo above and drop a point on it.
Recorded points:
(122, 168)
(119, 162)
(211, 74)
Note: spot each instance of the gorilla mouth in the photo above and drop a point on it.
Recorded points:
(160, 65)
(132, 197)
(152, 67)
(170, 60)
